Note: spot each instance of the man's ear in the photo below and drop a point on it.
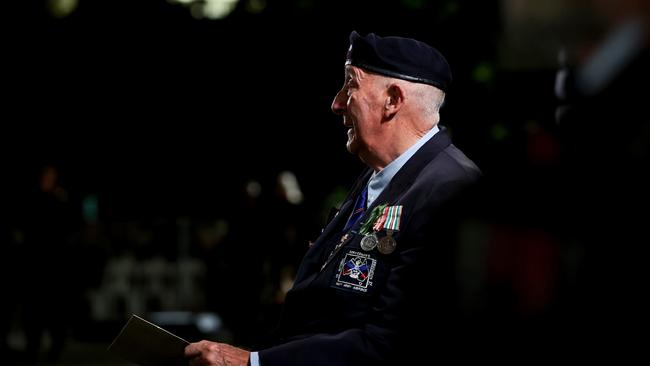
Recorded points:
(394, 100)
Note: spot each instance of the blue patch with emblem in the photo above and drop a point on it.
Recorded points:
(355, 272)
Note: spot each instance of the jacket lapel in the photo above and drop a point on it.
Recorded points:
(315, 253)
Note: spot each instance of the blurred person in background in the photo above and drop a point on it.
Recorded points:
(46, 270)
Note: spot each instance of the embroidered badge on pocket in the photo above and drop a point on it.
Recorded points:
(355, 272)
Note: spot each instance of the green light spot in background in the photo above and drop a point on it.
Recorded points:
(61, 8)
(255, 6)
(90, 209)
(450, 8)
(413, 4)
(483, 73)
(531, 126)
(499, 132)
(305, 4)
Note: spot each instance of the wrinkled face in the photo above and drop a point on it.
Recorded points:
(360, 102)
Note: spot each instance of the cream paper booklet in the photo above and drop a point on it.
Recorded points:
(147, 344)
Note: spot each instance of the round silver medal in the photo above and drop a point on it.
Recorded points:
(386, 245)
(369, 242)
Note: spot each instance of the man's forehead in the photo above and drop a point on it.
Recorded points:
(353, 71)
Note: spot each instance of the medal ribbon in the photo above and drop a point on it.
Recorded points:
(374, 215)
(393, 217)
(380, 222)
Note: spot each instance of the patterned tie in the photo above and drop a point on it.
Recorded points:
(359, 209)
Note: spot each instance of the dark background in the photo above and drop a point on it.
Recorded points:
(164, 117)
(163, 100)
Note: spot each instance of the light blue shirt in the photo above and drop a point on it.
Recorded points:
(255, 359)
(378, 182)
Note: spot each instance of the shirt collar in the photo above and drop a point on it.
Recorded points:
(379, 180)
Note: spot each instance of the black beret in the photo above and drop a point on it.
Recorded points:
(402, 58)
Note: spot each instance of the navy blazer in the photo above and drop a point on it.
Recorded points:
(376, 316)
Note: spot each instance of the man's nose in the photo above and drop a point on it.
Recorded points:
(339, 103)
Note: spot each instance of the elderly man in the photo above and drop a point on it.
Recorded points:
(379, 275)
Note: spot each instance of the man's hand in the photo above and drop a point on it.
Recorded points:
(206, 353)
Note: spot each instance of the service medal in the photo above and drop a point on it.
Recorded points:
(369, 242)
(387, 244)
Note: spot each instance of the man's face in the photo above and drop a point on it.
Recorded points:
(360, 101)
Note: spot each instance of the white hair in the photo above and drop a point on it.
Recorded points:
(427, 100)
(424, 100)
